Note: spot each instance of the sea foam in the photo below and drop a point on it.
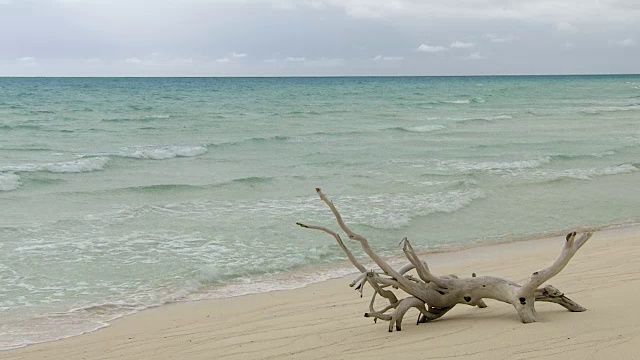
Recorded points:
(608, 109)
(583, 174)
(483, 119)
(74, 166)
(395, 211)
(161, 152)
(464, 167)
(418, 129)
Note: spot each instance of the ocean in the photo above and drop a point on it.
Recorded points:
(119, 194)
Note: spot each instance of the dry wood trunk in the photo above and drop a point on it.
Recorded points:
(435, 295)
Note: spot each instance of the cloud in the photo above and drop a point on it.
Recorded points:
(373, 9)
(28, 61)
(566, 27)
(231, 58)
(133, 60)
(462, 45)
(295, 59)
(501, 39)
(180, 61)
(319, 62)
(325, 62)
(549, 11)
(282, 37)
(628, 42)
(388, 58)
(153, 60)
(475, 56)
(431, 48)
(295, 4)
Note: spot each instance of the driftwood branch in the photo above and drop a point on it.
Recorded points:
(433, 296)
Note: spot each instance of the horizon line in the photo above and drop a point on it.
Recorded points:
(304, 76)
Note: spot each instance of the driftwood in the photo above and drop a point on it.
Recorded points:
(434, 296)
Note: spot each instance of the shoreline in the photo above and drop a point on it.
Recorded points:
(238, 312)
(309, 275)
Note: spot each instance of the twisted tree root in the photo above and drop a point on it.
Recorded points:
(434, 296)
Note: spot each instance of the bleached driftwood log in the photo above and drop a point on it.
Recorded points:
(434, 296)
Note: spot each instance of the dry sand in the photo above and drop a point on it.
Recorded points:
(325, 320)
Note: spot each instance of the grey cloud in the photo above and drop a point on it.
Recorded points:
(501, 39)
(431, 48)
(316, 37)
(388, 58)
(628, 42)
(533, 10)
(325, 62)
(295, 59)
(566, 26)
(462, 45)
(475, 56)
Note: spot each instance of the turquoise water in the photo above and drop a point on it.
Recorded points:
(119, 194)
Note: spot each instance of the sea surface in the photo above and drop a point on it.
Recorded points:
(118, 194)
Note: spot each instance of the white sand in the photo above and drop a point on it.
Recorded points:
(325, 320)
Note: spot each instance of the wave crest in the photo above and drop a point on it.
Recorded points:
(484, 119)
(584, 174)
(607, 109)
(161, 152)
(402, 208)
(418, 129)
(475, 100)
(86, 164)
(492, 166)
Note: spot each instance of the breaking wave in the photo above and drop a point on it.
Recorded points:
(74, 166)
(608, 109)
(583, 174)
(418, 129)
(490, 166)
(160, 152)
(483, 119)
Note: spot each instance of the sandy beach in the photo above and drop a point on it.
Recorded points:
(325, 320)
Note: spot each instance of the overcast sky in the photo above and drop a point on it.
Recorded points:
(318, 37)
